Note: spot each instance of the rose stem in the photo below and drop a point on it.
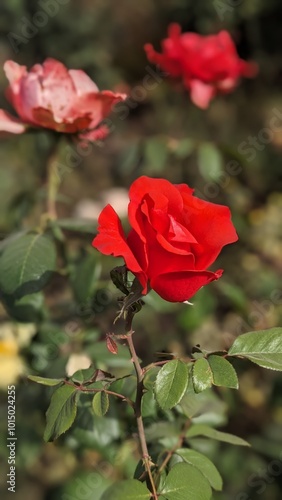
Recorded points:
(53, 183)
(137, 405)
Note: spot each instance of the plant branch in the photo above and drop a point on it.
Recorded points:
(53, 182)
(152, 365)
(82, 388)
(178, 445)
(137, 407)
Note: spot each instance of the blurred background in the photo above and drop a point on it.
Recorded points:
(230, 154)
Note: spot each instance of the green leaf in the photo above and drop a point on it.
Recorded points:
(205, 408)
(191, 402)
(148, 405)
(150, 377)
(99, 433)
(263, 347)
(27, 309)
(234, 294)
(100, 403)
(185, 482)
(77, 225)
(160, 430)
(139, 470)
(91, 375)
(223, 372)
(127, 490)
(61, 412)
(56, 231)
(83, 484)
(171, 384)
(159, 478)
(84, 279)
(184, 148)
(11, 238)
(204, 464)
(130, 158)
(201, 375)
(45, 381)
(155, 154)
(27, 264)
(83, 375)
(99, 353)
(210, 161)
(205, 430)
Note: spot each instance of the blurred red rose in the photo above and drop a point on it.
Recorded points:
(206, 64)
(53, 97)
(174, 237)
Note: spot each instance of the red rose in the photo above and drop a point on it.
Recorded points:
(206, 64)
(174, 238)
(53, 97)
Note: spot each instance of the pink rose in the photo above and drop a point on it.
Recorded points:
(53, 97)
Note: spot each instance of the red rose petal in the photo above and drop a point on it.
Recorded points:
(181, 286)
(206, 65)
(212, 227)
(175, 236)
(111, 241)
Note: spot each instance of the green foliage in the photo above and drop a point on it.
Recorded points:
(27, 309)
(167, 136)
(204, 464)
(204, 302)
(23, 270)
(148, 405)
(155, 155)
(46, 381)
(184, 148)
(130, 157)
(127, 490)
(76, 225)
(99, 433)
(235, 294)
(84, 278)
(210, 161)
(204, 430)
(103, 358)
(81, 376)
(262, 347)
(201, 375)
(61, 412)
(171, 384)
(206, 405)
(100, 403)
(162, 429)
(223, 372)
(185, 482)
